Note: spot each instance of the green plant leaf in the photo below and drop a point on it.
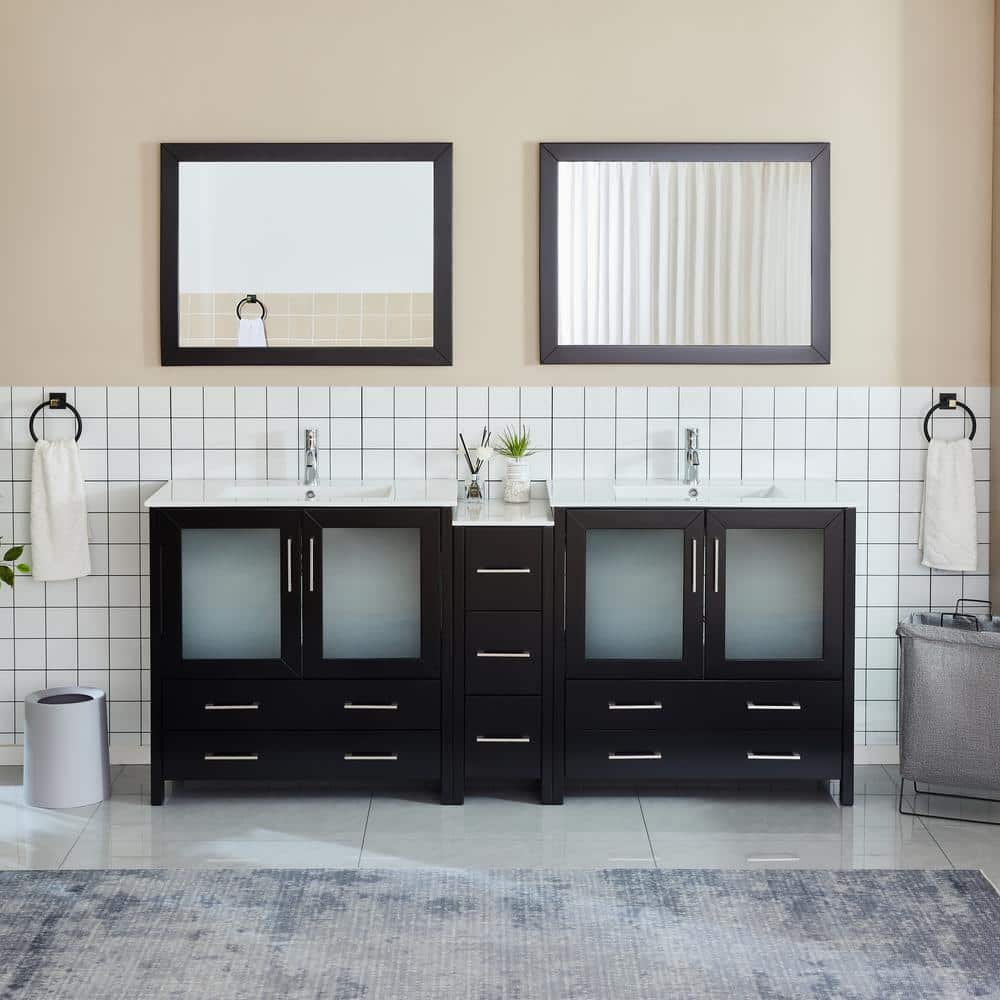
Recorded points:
(23, 568)
(15, 553)
(514, 444)
(7, 576)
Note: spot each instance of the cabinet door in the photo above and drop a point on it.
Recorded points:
(634, 581)
(372, 593)
(230, 593)
(775, 593)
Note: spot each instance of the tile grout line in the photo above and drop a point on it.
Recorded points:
(364, 829)
(649, 839)
(919, 819)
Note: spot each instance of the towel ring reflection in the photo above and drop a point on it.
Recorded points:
(948, 401)
(56, 401)
(254, 301)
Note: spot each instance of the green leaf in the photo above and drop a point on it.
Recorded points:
(23, 568)
(15, 553)
(7, 576)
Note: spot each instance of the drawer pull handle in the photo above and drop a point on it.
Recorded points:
(522, 569)
(650, 706)
(773, 756)
(231, 756)
(371, 756)
(636, 756)
(503, 739)
(483, 654)
(792, 706)
(694, 565)
(250, 706)
(312, 581)
(353, 706)
(288, 566)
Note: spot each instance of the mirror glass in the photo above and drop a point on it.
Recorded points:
(305, 253)
(684, 253)
(339, 254)
(681, 252)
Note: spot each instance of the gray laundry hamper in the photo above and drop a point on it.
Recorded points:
(950, 703)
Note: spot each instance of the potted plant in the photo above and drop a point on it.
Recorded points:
(8, 573)
(515, 446)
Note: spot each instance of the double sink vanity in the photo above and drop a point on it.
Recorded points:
(615, 632)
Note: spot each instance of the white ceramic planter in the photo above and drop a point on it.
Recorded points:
(517, 485)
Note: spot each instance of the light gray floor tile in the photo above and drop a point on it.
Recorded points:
(99, 852)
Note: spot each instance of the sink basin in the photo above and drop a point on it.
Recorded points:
(678, 492)
(285, 491)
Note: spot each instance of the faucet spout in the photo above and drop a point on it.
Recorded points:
(692, 459)
(310, 476)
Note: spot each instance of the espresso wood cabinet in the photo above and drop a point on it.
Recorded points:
(704, 644)
(293, 643)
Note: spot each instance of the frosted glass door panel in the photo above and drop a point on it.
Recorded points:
(371, 593)
(774, 593)
(231, 593)
(634, 597)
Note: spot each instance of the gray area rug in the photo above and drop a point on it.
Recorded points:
(345, 935)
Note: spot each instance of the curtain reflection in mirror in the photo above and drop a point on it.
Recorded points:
(684, 253)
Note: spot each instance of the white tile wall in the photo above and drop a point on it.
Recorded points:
(95, 630)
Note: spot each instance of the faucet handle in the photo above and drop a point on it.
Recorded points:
(310, 437)
(692, 437)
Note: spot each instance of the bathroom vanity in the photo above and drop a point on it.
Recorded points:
(386, 632)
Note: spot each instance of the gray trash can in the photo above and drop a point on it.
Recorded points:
(66, 748)
(950, 700)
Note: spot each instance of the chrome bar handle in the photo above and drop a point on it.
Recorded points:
(694, 565)
(353, 706)
(288, 564)
(250, 706)
(521, 569)
(652, 706)
(717, 565)
(231, 756)
(483, 654)
(312, 543)
(503, 739)
(792, 706)
(371, 756)
(773, 756)
(635, 756)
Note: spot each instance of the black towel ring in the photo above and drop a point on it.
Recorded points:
(254, 301)
(948, 401)
(56, 401)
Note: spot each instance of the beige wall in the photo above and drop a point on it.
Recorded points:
(995, 338)
(901, 88)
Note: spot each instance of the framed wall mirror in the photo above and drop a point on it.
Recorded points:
(703, 253)
(305, 253)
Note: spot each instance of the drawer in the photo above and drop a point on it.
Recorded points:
(503, 737)
(710, 755)
(503, 652)
(503, 569)
(296, 704)
(321, 756)
(622, 705)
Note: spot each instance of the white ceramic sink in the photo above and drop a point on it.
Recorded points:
(678, 492)
(287, 490)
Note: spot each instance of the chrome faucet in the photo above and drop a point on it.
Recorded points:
(310, 476)
(692, 460)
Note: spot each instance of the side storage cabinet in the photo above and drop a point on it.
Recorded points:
(503, 661)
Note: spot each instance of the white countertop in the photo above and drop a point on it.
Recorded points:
(497, 514)
(711, 493)
(444, 493)
(288, 493)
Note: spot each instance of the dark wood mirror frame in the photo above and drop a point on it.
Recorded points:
(551, 352)
(172, 154)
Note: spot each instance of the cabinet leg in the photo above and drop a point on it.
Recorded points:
(847, 785)
(157, 792)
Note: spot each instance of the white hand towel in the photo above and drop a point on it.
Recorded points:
(947, 530)
(59, 549)
(251, 333)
